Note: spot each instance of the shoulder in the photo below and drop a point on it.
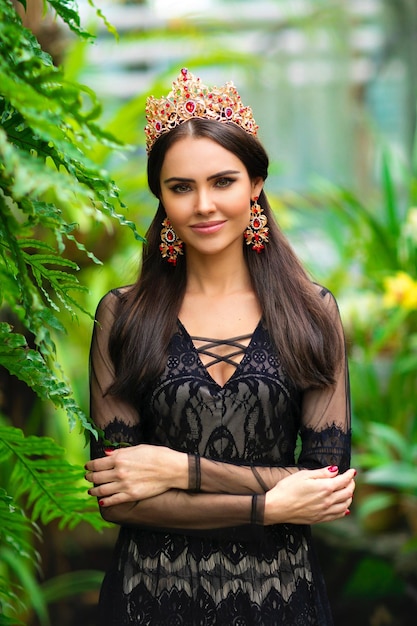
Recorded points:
(324, 293)
(108, 305)
(329, 304)
(328, 300)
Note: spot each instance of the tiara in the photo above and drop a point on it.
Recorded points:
(190, 98)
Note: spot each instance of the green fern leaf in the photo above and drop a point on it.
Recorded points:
(30, 366)
(15, 527)
(53, 488)
(15, 545)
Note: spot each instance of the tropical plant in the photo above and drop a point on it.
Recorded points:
(374, 242)
(48, 128)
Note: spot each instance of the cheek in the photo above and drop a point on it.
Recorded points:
(178, 217)
(242, 207)
(174, 206)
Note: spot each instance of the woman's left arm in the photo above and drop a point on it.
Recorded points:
(326, 415)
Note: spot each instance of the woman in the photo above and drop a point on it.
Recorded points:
(204, 375)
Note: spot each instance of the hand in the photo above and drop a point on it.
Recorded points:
(310, 497)
(136, 473)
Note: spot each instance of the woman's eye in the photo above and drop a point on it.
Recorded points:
(180, 188)
(224, 182)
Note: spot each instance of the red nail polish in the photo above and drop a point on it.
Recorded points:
(101, 502)
(347, 512)
(108, 449)
(355, 473)
(333, 468)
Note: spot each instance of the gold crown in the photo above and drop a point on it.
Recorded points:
(190, 98)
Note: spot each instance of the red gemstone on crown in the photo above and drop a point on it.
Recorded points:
(228, 112)
(190, 106)
(158, 126)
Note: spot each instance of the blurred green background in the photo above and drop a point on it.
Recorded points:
(333, 89)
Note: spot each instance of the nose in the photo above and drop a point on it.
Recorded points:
(204, 203)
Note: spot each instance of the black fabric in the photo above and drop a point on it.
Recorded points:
(244, 575)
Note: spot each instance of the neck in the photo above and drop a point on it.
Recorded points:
(217, 275)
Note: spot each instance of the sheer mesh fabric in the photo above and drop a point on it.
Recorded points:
(204, 556)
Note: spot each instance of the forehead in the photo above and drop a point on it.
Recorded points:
(198, 155)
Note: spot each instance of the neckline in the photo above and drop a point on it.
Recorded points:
(204, 367)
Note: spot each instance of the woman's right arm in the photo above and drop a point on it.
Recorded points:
(118, 421)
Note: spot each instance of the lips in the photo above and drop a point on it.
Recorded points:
(206, 228)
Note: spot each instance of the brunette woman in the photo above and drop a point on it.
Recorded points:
(219, 380)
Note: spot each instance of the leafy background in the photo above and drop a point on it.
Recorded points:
(69, 232)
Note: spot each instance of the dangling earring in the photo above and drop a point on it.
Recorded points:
(171, 245)
(257, 232)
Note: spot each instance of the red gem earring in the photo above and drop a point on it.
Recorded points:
(256, 234)
(171, 245)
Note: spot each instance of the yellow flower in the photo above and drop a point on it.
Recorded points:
(400, 290)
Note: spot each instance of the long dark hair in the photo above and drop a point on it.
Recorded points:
(294, 313)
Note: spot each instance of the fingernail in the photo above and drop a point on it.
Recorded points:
(101, 502)
(347, 512)
(333, 468)
(355, 473)
(108, 449)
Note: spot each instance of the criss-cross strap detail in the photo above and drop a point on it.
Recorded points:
(209, 344)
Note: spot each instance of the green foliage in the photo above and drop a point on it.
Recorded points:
(72, 584)
(48, 131)
(53, 488)
(15, 548)
(30, 366)
(375, 241)
(374, 578)
(45, 137)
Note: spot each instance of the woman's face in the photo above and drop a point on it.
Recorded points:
(206, 192)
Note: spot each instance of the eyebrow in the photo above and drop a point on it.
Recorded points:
(179, 179)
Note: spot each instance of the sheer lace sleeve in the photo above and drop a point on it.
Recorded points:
(325, 430)
(216, 477)
(176, 509)
(118, 420)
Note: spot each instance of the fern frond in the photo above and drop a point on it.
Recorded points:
(30, 366)
(53, 488)
(25, 574)
(15, 545)
(11, 254)
(15, 527)
(9, 600)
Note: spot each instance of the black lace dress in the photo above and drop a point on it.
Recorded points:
(203, 557)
